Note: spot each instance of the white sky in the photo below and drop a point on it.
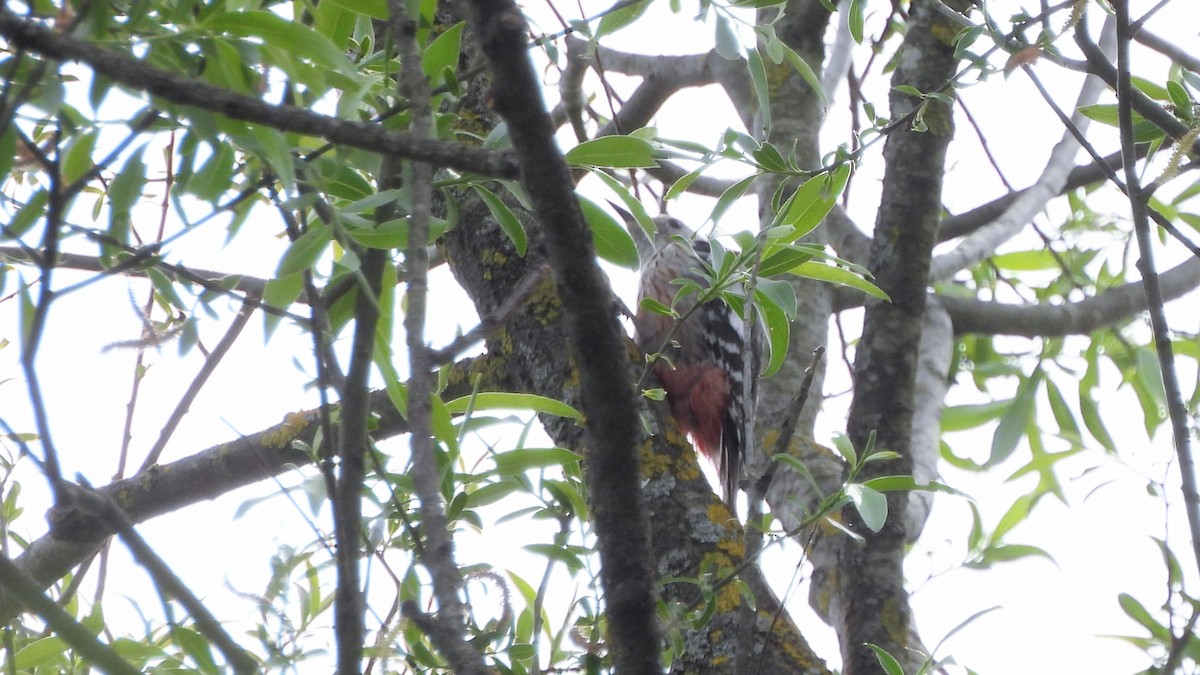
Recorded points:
(1051, 616)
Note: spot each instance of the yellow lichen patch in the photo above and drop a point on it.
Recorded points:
(945, 31)
(687, 468)
(544, 304)
(770, 438)
(777, 73)
(281, 435)
(893, 621)
(491, 259)
(734, 546)
(471, 122)
(729, 598)
(653, 463)
(500, 342)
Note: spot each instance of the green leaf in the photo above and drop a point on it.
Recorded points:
(903, 483)
(519, 461)
(654, 306)
(845, 448)
(769, 158)
(797, 465)
(778, 327)
(762, 90)
(291, 36)
(394, 233)
(680, 186)
(125, 191)
(305, 251)
(443, 52)
(970, 416)
(613, 241)
(871, 505)
(196, 646)
(1008, 553)
(1026, 261)
(1136, 611)
(628, 201)
(505, 218)
(343, 181)
(1180, 99)
(79, 157)
(1144, 131)
(1094, 422)
(615, 21)
(216, 176)
(225, 67)
(492, 493)
(806, 72)
(1016, 420)
(781, 258)
(281, 292)
(615, 152)
(492, 400)
(441, 422)
(840, 276)
(886, 661)
(1016, 514)
(8, 151)
(811, 202)
(1063, 415)
(729, 46)
(1151, 89)
(38, 653)
(779, 293)
(856, 20)
(376, 9)
(730, 196)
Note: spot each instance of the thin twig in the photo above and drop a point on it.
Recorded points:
(1159, 219)
(132, 72)
(193, 390)
(102, 506)
(32, 333)
(1158, 319)
(447, 628)
(63, 625)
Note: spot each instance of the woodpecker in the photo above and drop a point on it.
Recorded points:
(699, 362)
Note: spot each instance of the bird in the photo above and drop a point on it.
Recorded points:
(697, 353)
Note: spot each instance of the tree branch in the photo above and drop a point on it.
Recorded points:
(437, 554)
(967, 222)
(1177, 409)
(101, 506)
(607, 391)
(1106, 308)
(21, 591)
(1171, 51)
(74, 535)
(872, 604)
(1028, 202)
(131, 72)
(1098, 64)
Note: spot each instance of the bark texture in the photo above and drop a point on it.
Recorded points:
(869, 604)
